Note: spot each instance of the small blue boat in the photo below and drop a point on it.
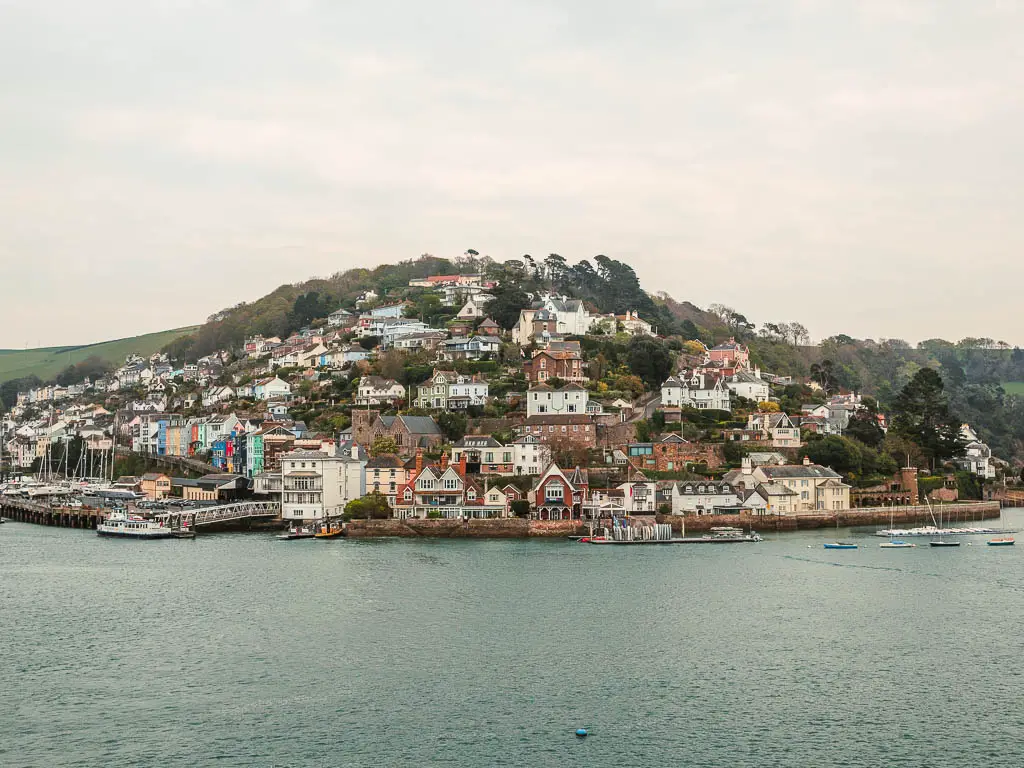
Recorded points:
(839, 545)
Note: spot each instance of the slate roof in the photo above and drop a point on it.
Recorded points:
(478, 441)
(798, 471)
(385, 461)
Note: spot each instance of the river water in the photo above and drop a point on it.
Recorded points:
(241, 650)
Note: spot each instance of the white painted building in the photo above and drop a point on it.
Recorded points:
(750, 385)
(703, 497)
(696, 390)
(271, 388)
(529, 455)
(317, 485)
(544, 400)
(376, 390)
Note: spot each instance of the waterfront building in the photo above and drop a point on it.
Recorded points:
(317, 485)
(560, 495)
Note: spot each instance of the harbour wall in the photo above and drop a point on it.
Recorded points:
(516, 528)
(494, 528)
(64, 517)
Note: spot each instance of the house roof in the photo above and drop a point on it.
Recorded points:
(385, 461)
(797, 471)
(478, 441)
(420, 425)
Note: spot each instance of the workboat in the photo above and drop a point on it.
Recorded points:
(839, 545)
(897, 544)
(133, 527)
(298, 532)
(1002, 541)
(329, 531)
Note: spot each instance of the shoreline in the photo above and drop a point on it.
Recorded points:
(518, 528)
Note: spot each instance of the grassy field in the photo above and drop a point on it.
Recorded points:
(47, 362)
(1014, 387)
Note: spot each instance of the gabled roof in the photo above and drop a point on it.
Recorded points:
(421, 425)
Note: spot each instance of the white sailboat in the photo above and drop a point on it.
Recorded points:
(895, 543)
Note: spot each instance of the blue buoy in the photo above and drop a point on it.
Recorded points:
(581, 732)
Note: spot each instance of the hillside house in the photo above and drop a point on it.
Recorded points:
(271, 388)
(449, 390)
(376, 390)
(568, 399)
(750, 385)
(695, 390)
(546, 364)
(775, 428)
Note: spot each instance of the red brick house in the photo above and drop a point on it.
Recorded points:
(547, 364)
(578, 429)
(560, 495)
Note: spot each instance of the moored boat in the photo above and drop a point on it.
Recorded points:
(122, 525)
(329, 531)
(1002, 541)
(839, 545)
(298, 532)
(943, 543)
(897, 544)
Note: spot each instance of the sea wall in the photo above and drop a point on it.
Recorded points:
(497, 528)
(516, 528)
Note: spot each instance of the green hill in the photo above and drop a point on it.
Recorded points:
(47, 362)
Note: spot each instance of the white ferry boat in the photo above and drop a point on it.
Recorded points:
(133, 527)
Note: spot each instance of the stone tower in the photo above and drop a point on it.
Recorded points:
(362, 426)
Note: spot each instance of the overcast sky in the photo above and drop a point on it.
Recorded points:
(853, 165)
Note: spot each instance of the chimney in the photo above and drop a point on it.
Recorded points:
(419, 461)
(444, 461)
(747, 466)
(807, 461)
(462, 465)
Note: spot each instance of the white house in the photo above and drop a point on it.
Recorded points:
(475, 306)
(270, 388)
(317, 485)
(639, 497)
(353, 354)
(472, 348)
(749, 385)
(776, 428)
(529, 455)
(544, 400)
(339, 317)
(703, 497)
(387, 310)
(214, 395)
(451, 390)
(376, 390)
(977, 456)
(696, 390)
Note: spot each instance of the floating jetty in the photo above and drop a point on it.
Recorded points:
(931, 530)
(661, 533)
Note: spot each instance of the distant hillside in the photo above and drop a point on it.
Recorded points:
(47, 362)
